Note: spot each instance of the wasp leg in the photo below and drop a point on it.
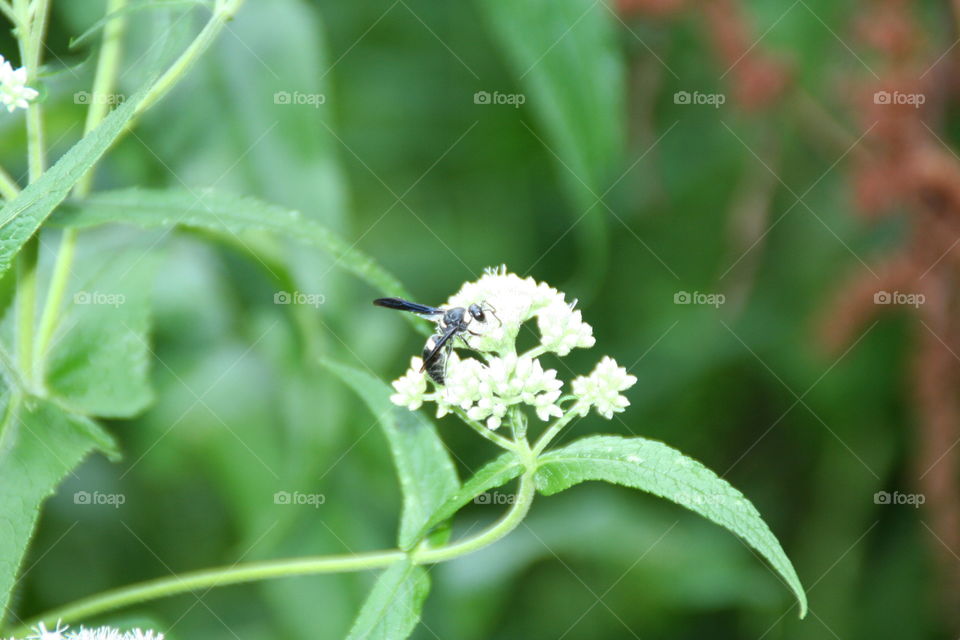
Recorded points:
(489, 307)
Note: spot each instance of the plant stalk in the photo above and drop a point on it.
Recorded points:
(83, 610)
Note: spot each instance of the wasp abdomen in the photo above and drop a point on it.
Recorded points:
(436, 367)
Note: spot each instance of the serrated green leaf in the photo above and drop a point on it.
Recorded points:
(654, 467)
(40, 444)
(21, 217)
(427, 475)
(393, 607)
(99, 364)
(223, 213)
(495, 473)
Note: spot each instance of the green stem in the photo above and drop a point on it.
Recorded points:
(223, 12)
(8, 11)
(510, 521)
(86, 608)
(30, 39)
(9, 188)
(104, 83)
(208, 579)
(499, 440)
(552, 431)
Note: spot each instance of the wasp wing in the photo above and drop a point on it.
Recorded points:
(405, 305)
(438, 345)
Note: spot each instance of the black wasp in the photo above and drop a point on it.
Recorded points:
(451, 323)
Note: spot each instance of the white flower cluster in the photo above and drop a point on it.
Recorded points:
(601, 389)
(60, 632)
(14, 92)
(486, 387)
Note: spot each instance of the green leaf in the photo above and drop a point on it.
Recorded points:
(494, 474)
(427, 475)
(21, 217)
(567, 56)
(40, 444)
(99, 364)
(654, 467)
(140, 6)
(223, 213)
(393, 607)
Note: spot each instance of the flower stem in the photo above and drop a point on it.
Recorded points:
(499, 440)
(33, 23)
(104, 83)
(219, 577)
(9, 189)
(554, 429)
(209, 579)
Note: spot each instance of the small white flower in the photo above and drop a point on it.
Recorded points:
(410, 387)
(562, 329)
(601, 389)
(14, 92)
(514, 300)
(490, 386)
(487, 391)
(40, 632)
(98, 633)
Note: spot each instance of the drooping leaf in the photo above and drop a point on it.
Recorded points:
(21, 217)
(41, 443)
(427, 475)
(654, 467)
(568, 60)
(495, 473)
(99, 364)
(393, 607)
(566, 55)
(222, 213)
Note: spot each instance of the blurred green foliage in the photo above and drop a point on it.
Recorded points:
(401, 161)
